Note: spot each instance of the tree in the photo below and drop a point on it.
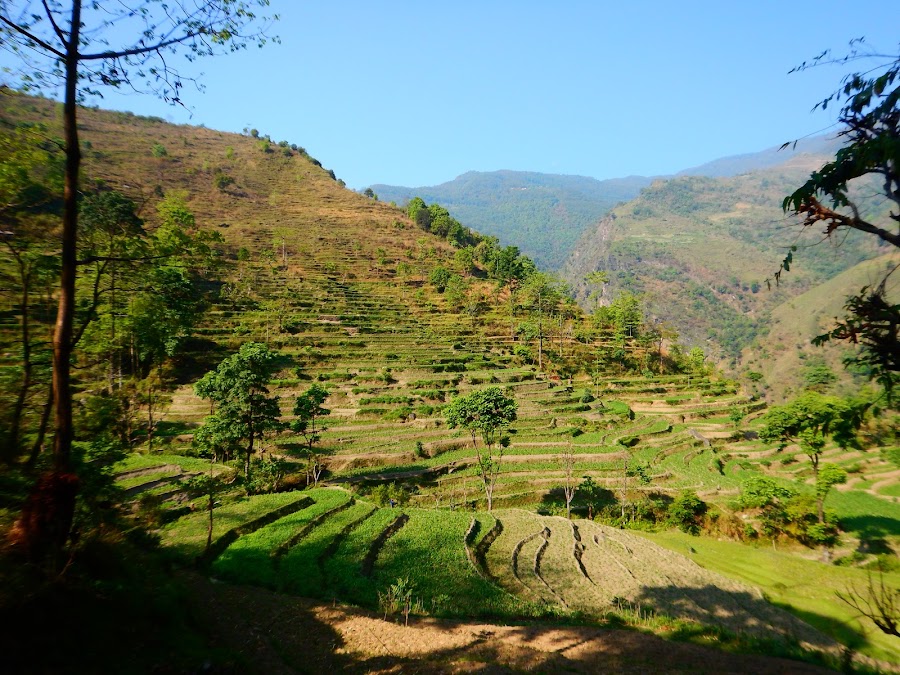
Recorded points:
(30, 176)
(207, 485)
(567, 462)
(592, 494)
(487, 412)
(72, 46)
(598, 278)
(809, 420)
(238, 388)
(870, 121)
(308, 411)
(542, 293)
(878, 602)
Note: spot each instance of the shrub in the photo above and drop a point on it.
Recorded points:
(686, 512)
(158, 150)
(222, 180)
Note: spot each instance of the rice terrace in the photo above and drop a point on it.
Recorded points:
(256, 421)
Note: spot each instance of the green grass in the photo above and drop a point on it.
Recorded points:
(804, 587)
(343, 570)
(302, 569)
(429, 551)
(249, 559)
(187, 536)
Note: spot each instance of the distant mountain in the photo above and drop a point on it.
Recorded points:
(795, 154)
(542, 214)
(545, 214)
(700, 248)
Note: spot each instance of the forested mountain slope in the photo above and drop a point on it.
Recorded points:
(542, 214)
(702, 248)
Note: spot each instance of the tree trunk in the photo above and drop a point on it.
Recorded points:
(209, 528)
(47, 517)
(820, 500)
(540, 342)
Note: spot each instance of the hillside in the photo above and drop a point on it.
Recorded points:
(339, 286)
(786, 352)
(545, 214)
(542, 214)
(701, 249)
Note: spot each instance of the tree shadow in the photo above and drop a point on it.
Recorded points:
(743, 612)
(871, 527)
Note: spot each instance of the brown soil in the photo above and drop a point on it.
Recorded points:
(274, 634)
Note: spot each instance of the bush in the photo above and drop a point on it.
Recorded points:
(686, 512)
(383, 493)
(158, 150)
(222, 180)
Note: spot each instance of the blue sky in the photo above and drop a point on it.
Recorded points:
(415, 93)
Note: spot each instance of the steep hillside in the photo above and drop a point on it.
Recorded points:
(542, 214)
(701, 249)
(339, 286)
(786, 353)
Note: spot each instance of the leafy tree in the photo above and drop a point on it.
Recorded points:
(72, 46)
(238, 388)
(455, 292)
(418, 211)
(487, 412)
(592, 494)
(465, 258)
(30, 177)
(598, 278)
(308, 414)
(439, 278)
(541, 293)
(686, 512)
(870, 121)
(567, 462)
(810, 420)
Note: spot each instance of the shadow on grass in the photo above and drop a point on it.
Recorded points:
(745, 613)
(871, 527)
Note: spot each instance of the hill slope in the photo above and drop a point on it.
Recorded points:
(542, 214)
(701, 248)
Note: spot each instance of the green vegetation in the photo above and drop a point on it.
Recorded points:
(296, 341)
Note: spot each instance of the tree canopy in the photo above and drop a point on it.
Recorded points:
(870, 127)
(239, 389)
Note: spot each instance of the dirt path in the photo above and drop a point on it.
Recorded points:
(277, 634)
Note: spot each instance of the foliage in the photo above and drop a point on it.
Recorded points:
(686, 512)
(239, 390)
(487, 412)
(390, 494)
(79, 49)
(870, 120)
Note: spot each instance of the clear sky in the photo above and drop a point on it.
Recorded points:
(416, 93)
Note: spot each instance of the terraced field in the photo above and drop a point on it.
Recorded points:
(326, 543)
